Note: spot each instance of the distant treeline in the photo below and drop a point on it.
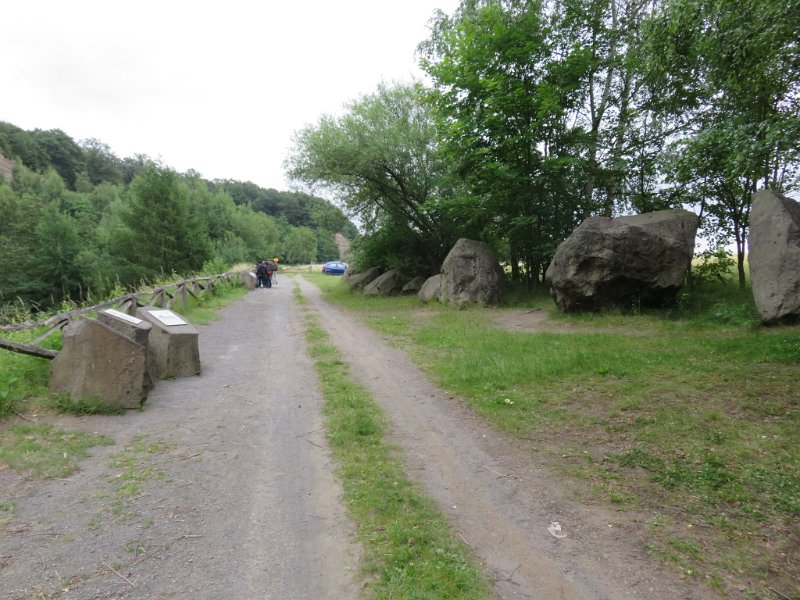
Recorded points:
(76, 221)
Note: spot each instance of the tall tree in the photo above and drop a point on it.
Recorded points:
(729, 72)
(102, 165)
(612, 113)
(300, 246)
(161, 233)
(380, 160)
(503, 97)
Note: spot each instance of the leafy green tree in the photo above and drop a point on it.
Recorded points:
(504, 100)
(326, 245)
(57, 250)
(160, 232)
(19, 214)
(300, 246)
(102, 165)
(728, 74)
(380, 160)
(62, 153)
(604, 41)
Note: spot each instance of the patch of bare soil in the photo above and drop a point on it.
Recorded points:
(537, 320)
(223, 485)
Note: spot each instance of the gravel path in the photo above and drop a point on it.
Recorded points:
(238, 497)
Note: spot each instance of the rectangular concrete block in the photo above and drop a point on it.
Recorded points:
(98, 362)
(249, 280)
(173, 341)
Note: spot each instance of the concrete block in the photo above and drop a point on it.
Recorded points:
(98, 362)
(174, 342)
(248, 279)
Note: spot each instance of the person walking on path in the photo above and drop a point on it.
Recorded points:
(261, 274)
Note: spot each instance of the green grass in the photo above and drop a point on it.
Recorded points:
(41, 450)
(409, 550)
(692, 413)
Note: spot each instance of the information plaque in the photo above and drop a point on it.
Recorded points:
(123, 316)
(167, 317)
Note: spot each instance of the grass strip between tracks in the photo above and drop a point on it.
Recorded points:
(409, 550)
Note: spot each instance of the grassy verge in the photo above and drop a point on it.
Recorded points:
(409, 550)
(687, 419)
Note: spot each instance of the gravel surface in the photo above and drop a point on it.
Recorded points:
(237, 496)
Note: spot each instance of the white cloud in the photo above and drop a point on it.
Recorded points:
(216, 87)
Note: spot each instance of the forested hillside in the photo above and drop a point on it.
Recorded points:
(77, 222)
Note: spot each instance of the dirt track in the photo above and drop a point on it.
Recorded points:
(238, 497)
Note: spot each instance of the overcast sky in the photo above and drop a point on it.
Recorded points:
(215, 87)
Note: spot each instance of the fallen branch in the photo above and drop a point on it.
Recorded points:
(125, 579)
(312, 431)
(777, 593)
(190, 456)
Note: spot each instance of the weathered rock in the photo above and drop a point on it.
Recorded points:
(472, 273)
(622, 262)
(361, 279)
(248, 279)
(138, 330)
(431, 289)
(387, 284)
(176, 347)
(774, 256)
(99, 363)
(413, 286)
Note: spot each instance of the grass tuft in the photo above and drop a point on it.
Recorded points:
(41, 450)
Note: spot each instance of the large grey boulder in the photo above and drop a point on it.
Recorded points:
(431, 289)
(174, 341)
(388, 284)
(774, 256)
(472, 273)
(623, 262)
(413, 286)
(359, 280)
(100, 363)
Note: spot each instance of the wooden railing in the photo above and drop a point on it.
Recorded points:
(164, 296)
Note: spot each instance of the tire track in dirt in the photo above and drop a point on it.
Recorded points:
(495, 494)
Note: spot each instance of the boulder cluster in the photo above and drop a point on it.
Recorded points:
(470, 273)
(627, 262)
